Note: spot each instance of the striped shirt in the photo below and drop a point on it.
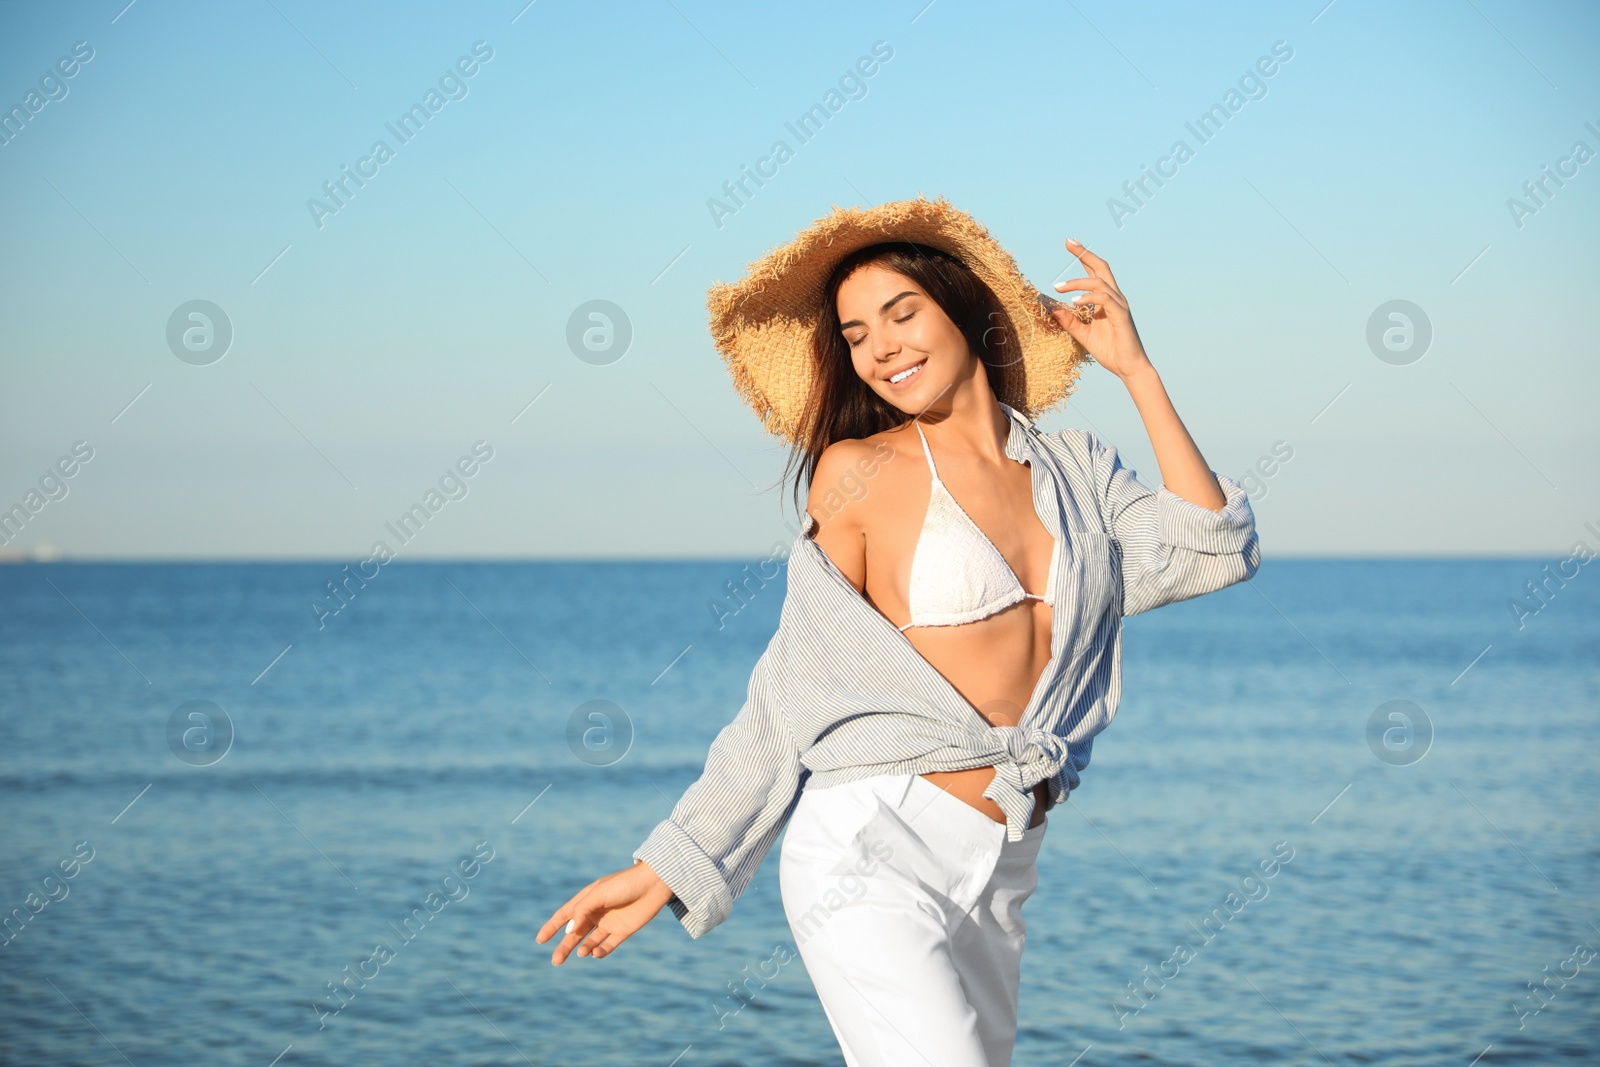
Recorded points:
(840, 694)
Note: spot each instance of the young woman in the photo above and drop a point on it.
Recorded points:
(950, 638)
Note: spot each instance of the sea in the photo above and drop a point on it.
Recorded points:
(1346, 814)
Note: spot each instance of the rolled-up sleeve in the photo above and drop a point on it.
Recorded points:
(1172, 549)
(707, 851)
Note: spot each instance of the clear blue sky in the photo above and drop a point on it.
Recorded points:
(369, 353)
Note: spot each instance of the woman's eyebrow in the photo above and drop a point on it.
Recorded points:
(887, 304)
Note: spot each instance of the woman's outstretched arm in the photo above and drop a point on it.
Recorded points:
(708, 849)
(701, 857)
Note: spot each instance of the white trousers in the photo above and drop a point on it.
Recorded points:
(906, 905)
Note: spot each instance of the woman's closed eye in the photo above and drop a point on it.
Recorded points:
(858, 339)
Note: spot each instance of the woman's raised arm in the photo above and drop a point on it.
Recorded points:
(1113, 341)
(1196, 533)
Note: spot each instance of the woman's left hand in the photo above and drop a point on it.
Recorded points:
(1109, 335)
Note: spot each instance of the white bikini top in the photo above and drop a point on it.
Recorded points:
(957, 575)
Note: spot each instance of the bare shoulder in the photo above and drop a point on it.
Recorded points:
(842, 500)
(839, 492)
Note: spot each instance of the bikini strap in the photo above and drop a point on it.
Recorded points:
(931, 468)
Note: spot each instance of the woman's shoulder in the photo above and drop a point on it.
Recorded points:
(861, 457)
(1083, 449)
(849, 469)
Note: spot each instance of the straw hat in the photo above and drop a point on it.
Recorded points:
(763, 324)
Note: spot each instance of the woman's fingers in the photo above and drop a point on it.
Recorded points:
(586, 931)
(606, 913)
(1076, 327)
(1097, 266)
(555, 922)
(579, 927)
(1104, 299)
(591, 937)
(607, 944)
(563, 914)
(580, 923)
(597, 941)
(1093, 288)
(598, 937)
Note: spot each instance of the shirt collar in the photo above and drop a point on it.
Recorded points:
(1019, 443)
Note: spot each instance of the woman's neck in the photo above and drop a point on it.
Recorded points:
(969, 418)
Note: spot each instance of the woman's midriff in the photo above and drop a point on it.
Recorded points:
(968, 785)
(995, 663)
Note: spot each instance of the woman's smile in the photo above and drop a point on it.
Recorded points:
(900, 379)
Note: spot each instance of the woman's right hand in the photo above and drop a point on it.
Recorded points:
(615, 906)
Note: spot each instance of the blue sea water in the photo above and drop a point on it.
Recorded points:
(435, 726)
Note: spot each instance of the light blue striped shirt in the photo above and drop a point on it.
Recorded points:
(840, 694)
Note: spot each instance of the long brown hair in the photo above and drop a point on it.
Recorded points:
(841, 406)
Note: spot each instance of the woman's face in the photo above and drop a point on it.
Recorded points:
(895, 330)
